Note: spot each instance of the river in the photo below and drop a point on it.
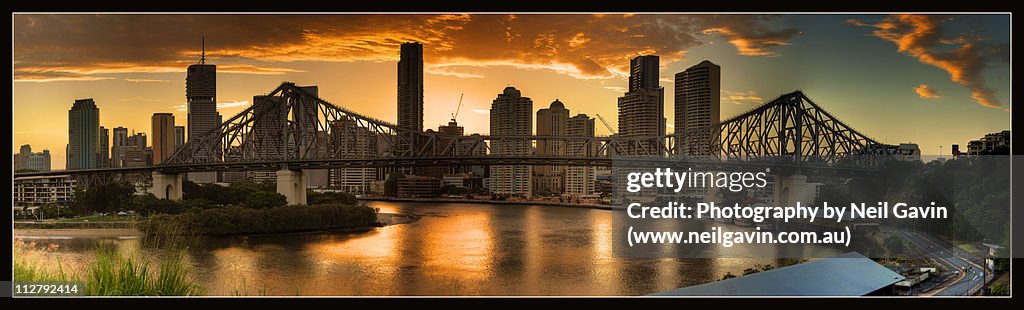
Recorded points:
(453, 249)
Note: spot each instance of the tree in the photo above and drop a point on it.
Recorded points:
(264, 200)
(110, 197)
(391, 184)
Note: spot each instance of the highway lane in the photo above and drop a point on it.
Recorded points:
(952, 258)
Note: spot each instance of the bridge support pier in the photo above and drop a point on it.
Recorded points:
(794, 188)
(292, 184)
(167, 186)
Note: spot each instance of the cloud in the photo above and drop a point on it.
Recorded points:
(232, 104)
(748, 97)
(220, 105)
(577, 45)
(618, 89)
(964, 56)
(749, 36)
(448, 71)
(481, 111)
(146, 81)
(926, 92)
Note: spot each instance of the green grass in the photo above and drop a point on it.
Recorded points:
(113, 273)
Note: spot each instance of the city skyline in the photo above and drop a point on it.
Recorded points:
(758, 55)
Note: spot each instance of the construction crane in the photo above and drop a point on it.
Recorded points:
(606, 125)
(457, 109)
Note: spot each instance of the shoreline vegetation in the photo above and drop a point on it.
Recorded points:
(245, 221)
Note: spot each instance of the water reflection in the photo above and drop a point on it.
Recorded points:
(454, 249)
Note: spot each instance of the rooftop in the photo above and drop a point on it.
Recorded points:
(850, 274)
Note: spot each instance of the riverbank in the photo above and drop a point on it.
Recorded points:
(383, 219)
(67, 233)
(497, 202)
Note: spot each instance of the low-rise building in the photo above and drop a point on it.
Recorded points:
(43, 190)
(413, 186)
(990, 143)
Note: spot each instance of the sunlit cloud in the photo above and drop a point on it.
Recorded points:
(481, 111)
(963, 56)
(102, 71)
(448, 71)
(577, 45)
(220, 105)
(748, 97)
(750, 36)
(232, 104)
(618, 89)
(146, 81)
(49, 77)
(926, 92)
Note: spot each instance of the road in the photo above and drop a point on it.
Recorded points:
(952, 258)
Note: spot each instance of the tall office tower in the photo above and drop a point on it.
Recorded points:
(201, 101)
(698, 100)
(25, 159)
(410, 97)
(103, 157)
(580, 180)
(511, 115)
(642, 108)
(179, 136)
(138, 139)
(163, 136)
(551, 121)
(349, 140)
(83, 134)
(120, 140)
(410, 86)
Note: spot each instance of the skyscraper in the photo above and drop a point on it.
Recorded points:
(511, 115)
(103, 158)
(179, 136)
(642, 108)
(201, 100)
(580, 180)
(120, 141)
(83, 134)
(643, 73)
(410, 86)
(697, 109)
(163, 136)
(349, 140)
(548, 180)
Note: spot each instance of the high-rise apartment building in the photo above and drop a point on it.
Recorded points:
(511, 115)
(83, 135)
(580, 180)
(697, 109)
(551, 121)
(163, 136)
(642, 108)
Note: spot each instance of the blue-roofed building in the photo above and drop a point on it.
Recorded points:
(850, 274)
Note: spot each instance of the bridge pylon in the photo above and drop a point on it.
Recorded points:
(167, 185)
(292, 184)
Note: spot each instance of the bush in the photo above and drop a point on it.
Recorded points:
(237, 220)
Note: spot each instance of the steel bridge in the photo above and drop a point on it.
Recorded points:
(289, 129)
